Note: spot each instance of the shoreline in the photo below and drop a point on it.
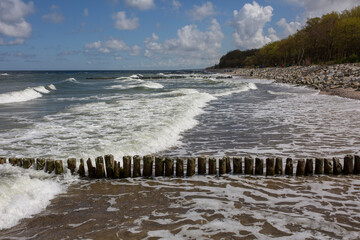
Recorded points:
(341, 80)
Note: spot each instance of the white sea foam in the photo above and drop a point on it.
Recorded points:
(24, 193)
(19, 96)
(71, 80)
(150, 84)
(4, 74)
(52, 87)
(41, 89)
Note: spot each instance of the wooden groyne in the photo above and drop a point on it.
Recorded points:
(107, 167)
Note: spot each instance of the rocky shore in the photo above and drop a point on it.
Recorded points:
(341, 79)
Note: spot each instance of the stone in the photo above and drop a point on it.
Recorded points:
(100, 169)
(179, 167)
(319, 166)
(270, 167)
(59, 168)
(300, 168)
(337, 167)
(278, 166)
(357, 164)
(237, 165)
(50, 166)
(169, 167)
(222, 166)
(40, 164)
(81, 170)
(137, 169)
(309, 167)
(71, 164)
(27, 162)
(328, 167)
(212, 166)
(91, 169)
(148, 166)
(259, 166)
(249, 165)
(289, 169)
(127, 166)
(201, 165)
(191, 163)
(109, 165)
(348, 165)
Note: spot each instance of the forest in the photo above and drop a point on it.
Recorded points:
(334, 38)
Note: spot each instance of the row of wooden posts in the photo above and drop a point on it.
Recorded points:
(166, 166)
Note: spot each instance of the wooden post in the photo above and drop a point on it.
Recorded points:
(348, 165)
(50, 166)
(237, 165)
(159, 166)
(169, 167)
(228, 164)
(148, 166)
(191, 163)
(337, 167)
(270, 166)
(201, 165)
(309, 167)
(116, 172)
(249, 165)
(136, 170)
(100, 169)
(40, 164)
(71, 164)
(81, 170)
(259, 166)
(179, 167)
(319, 166)
(328, 167)
(300, 168)
(59, 168)
(27, 162)
(289, 168)
(91, 169)
(2, 160)
(109, 165)
(15, 162)
(127, 166)
(212, 166)
(222, 166)
(357, 164)
(278, 166)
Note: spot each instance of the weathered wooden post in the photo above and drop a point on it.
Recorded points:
(71, 164)
(2, 160)
(81, 170)
(237, 165)
(27, 162)
(212, 166)
(179, 167)
(127, 166)
(249, 165)
(116, 172)
(50, 166)
(328, 167)
(222, 166)
(289, 168)
(300, 168)
(109, 165)
(159, 166)
(100, 169)
(40, 163)
(59, 168)
(12, 161)
(259, 166)
(337, 166)
(270, 166)
(169, 167)
(348, 165)
(278, 166)
(148, 165)
(228, 164)
(190, 170)
(136, 170)
(91, 169)
(319, 166)
(201, 165)
(16, 161)
(309, 167)
(357, 164)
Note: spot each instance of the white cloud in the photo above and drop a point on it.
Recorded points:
(272, 34)
(289, 28)
(55, 16)
(203, 11)
(140, 4)
(123, 23)
(114, 45)
(176, 4)
(191, 45)
(12, 22)
(86, 12)
(249, 23)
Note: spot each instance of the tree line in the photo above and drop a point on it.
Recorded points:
(333, 38)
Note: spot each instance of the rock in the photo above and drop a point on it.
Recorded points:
(337, 166)
(289, 170)
(40, 164)
(100, 169)
(309, 167)
(179, 167)
(319, 166)
(190, 171)
(81, 170)
(109, 165)
(348, 165)
(328, 168)
(71, 164)
(249, 165)
(300, 168)
(259, 166)
(59, 169)
(91, 169)
(169, 167)
(270, 167)
(159, 166)
(212, 166)
(50, 166)
(136, 170)
(237, 165)
(201, 165)
(148, 166)
(127, 166)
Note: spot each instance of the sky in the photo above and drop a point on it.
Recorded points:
(144, 34)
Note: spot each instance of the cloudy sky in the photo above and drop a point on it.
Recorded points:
(144, 34)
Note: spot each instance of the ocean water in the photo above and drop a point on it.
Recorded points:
(179, 113)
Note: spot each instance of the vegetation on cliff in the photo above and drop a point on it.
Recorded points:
(333, 38)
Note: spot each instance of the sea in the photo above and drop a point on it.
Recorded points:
(86, 114)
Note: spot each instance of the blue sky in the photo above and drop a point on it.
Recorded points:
(144, 34)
